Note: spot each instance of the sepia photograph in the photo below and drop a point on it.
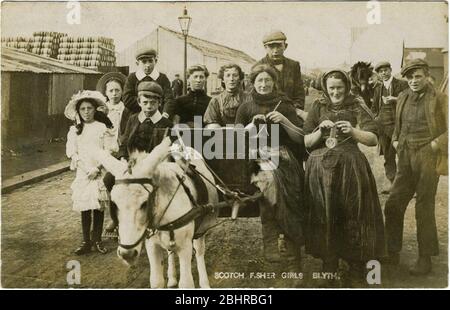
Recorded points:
(241, 144)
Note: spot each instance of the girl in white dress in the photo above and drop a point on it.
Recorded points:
(91, 132)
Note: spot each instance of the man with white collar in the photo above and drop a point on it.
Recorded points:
(384, 103)
(145, 129)
(146, 60)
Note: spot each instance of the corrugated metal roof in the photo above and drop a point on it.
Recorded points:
(211, 48)
(17, 61)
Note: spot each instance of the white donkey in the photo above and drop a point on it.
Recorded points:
(149, 198)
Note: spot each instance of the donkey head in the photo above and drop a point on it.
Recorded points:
(133, 189)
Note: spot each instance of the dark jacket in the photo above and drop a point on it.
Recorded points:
(123, 122)
(397, 87)
(436, 109)
(177, 87)
(130, 91)
(289, 80)
(133, 123)
(188, 106)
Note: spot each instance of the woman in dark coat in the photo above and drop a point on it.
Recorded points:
(281, 207)
(344, 220)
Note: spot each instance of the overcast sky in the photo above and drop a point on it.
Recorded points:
(318, 32)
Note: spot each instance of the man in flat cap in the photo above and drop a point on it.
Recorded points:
(421, 140)
(145, 129)
(289, 72)
(146, 60)
(383, 107)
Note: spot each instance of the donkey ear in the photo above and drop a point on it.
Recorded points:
(158, 154)
(113, 165)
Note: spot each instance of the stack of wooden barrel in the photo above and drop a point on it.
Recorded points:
(92, 52)
(46, 43)
(20, 43)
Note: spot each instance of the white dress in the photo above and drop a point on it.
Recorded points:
(115, 112)
(89, 194)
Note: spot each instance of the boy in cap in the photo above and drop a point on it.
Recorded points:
(146, 60)
(145, 129)
(421, 141)
(384, 102)
(289, 73)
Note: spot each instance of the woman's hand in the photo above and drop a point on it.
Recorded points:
(258, 119)
(276, 117)
(326, 124)
(93, 173)
(344, 127)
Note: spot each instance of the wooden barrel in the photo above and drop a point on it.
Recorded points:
(63, 51)
(93, 63)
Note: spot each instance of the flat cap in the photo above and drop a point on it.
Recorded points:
(149, 88)
(382, 64)
(145, 52)
(274, 37)
(414, 64)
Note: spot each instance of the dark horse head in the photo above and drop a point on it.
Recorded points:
(360, 74)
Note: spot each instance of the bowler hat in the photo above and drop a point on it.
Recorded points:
(414, 64)
(149, 88)
(274, 37)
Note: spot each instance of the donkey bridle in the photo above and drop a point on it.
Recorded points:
(147, 231)
(194, 213)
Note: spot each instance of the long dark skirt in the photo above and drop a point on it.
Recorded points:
(289, 208)
(344, 217)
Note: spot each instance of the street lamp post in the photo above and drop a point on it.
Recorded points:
(185, 23)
